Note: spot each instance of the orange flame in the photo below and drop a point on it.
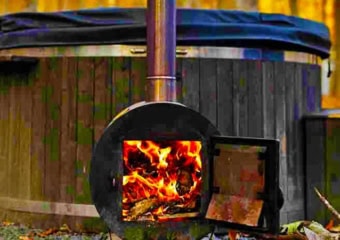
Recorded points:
(153, 170)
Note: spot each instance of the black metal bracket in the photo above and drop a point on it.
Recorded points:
(10, 64)
(18, 59)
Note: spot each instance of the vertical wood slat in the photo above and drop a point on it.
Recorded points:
(313, 164)
(315, 167)
(70, 166)
(240, 105)
(101, 73)
(18, 135)
(3, 158)
(191, 84)
(268, 81)
(311, 86)
(289, 98)
(52, 137)
(39, 109)
(332, 163)
(67, 126)
(207, 89)
(109, 88)
(254, 93)
(137, 80)
(25, 132)
(294, 112)
(84, 126)
(315, 74)
(6, 112)
(120, 98)
(112, 83)
(299, 172)
(278, 88)
(225, 97)
(13, 141)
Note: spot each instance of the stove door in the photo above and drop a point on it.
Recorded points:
(244, 183)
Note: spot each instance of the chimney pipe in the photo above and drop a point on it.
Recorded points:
(161, 50)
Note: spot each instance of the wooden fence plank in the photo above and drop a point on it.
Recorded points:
(294, 200)
(315, 142)
(207, 88)
(5, 177)
(268, 99)
(190, 84)
(315, 130)
(289, 98)
(240, 98)
(52, 137)
(100, 80)
(25, 134)
(225, 97)
(2, 116)
(312, 85)
(13, 139)
(316, 75)
(3, 125)
(138, 79)
(108, 91)
(280, 123)
(19, 135)
(6, 102)
(121, 99)
(298, 165)
(67, 126)
(254, 92)
(39, 109)
(332, 164)
(84, 127)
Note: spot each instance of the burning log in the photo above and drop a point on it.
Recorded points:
(143, 206)
(184, 182)
(192, 204)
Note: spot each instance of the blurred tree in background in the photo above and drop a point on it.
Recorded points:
(326, 11)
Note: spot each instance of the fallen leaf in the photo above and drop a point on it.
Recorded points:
(330, 224)
(25, 238)
(65, 228)
(6, 223)
(335, 229)
(47, 232)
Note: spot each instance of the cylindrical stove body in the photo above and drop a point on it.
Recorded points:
(161, 50)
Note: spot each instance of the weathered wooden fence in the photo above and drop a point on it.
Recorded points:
(52, 115)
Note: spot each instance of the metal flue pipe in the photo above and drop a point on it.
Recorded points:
(161, 50)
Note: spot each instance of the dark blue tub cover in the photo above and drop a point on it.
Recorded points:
(195, 27)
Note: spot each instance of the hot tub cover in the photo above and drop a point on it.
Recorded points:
(195, 27)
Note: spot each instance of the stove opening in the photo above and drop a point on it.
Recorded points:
(162, 180)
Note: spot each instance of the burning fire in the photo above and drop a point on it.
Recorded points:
(160, 178)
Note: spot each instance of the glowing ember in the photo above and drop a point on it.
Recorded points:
(161, 179)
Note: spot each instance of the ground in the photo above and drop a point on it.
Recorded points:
(11, 231)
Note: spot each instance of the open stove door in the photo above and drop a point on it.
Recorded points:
(245, 184)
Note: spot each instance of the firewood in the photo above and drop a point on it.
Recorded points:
(142, 207)
(191, 204)
(184, 182)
